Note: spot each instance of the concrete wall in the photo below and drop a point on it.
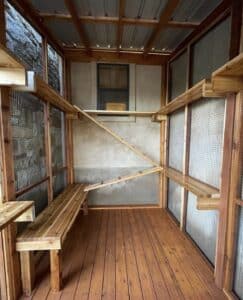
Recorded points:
(97, 156)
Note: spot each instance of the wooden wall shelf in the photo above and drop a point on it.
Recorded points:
(16, 211)
(120, 113)
(203, 89)
(229, 78)
(12, 71)
(37, 86)
(205, 193)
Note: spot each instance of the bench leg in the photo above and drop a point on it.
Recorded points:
(56, 270)
(27, 271)
(85, 207)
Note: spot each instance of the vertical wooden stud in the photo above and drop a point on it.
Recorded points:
(11, 259)
(224, 190)
(27, 272)
(56, 270)
(48, 150)
(234, 193)
(186, 154)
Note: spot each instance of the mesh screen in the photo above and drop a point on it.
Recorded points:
(23, 40)
(174, 199)
(54, 69)
(238, 276)
(202, 227)
(57, 138)
(27, 120)
(176, 140)
(178, 76)
(59, 183)
(207, 126)
(207, 59)
(38, 195)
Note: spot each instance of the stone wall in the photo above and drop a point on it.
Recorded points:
(54, 69)
(28, 139)
(23, 40)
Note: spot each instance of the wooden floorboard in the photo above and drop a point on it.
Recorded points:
(128, 254)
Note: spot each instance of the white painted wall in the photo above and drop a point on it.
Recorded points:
(97, 156)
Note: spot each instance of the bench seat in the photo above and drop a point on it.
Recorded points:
(48, 232)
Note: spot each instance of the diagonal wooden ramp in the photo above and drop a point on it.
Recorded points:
(117, 137)
(122, 179)
(156, 167)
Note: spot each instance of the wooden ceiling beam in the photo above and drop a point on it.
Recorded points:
(115, 20)
(78, 23)
(164, 19)
(120, 24)
(80, 55)
(29, 12)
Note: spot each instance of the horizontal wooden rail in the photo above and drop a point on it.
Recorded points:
(208, 203)
(117, 137)
(122, 179)
(30, 187)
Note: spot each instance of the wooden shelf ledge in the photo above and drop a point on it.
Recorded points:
(12, 71)
(203, 89)
(16, 211)
(120, 113)
(204, 192)
(38, 87)
(229, 78)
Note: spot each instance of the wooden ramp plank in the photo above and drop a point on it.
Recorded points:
(122, 179)
(117, 137)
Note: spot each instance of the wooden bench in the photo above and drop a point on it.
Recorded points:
(48, 232)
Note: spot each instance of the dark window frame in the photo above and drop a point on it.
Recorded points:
(99, 102)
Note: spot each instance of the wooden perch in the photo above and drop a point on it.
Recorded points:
(19, 211)
(117, 137)
(12, 71)
(208, 203)
(122, 179)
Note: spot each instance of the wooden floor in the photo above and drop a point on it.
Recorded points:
(129, 254)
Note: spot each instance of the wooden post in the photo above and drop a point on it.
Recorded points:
(11, 260)
(234, 193)
(56, 273)
(184, 194)
(48, 150)
(224, 190)
(69, 150)
(163, 124)
(45, 59)
(27, 272)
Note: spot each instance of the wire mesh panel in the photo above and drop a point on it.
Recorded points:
(207, 126)
(205, 58)
(174, 199)
(57, 138)
(202, 227)
(238, 276)
(59, 183)
(39, 195)
(178, 78)
(55, 69)
(27, 120)
(176, 140)
(23, 40)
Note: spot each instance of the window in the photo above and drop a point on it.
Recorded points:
(55, 69)
(113, 87)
